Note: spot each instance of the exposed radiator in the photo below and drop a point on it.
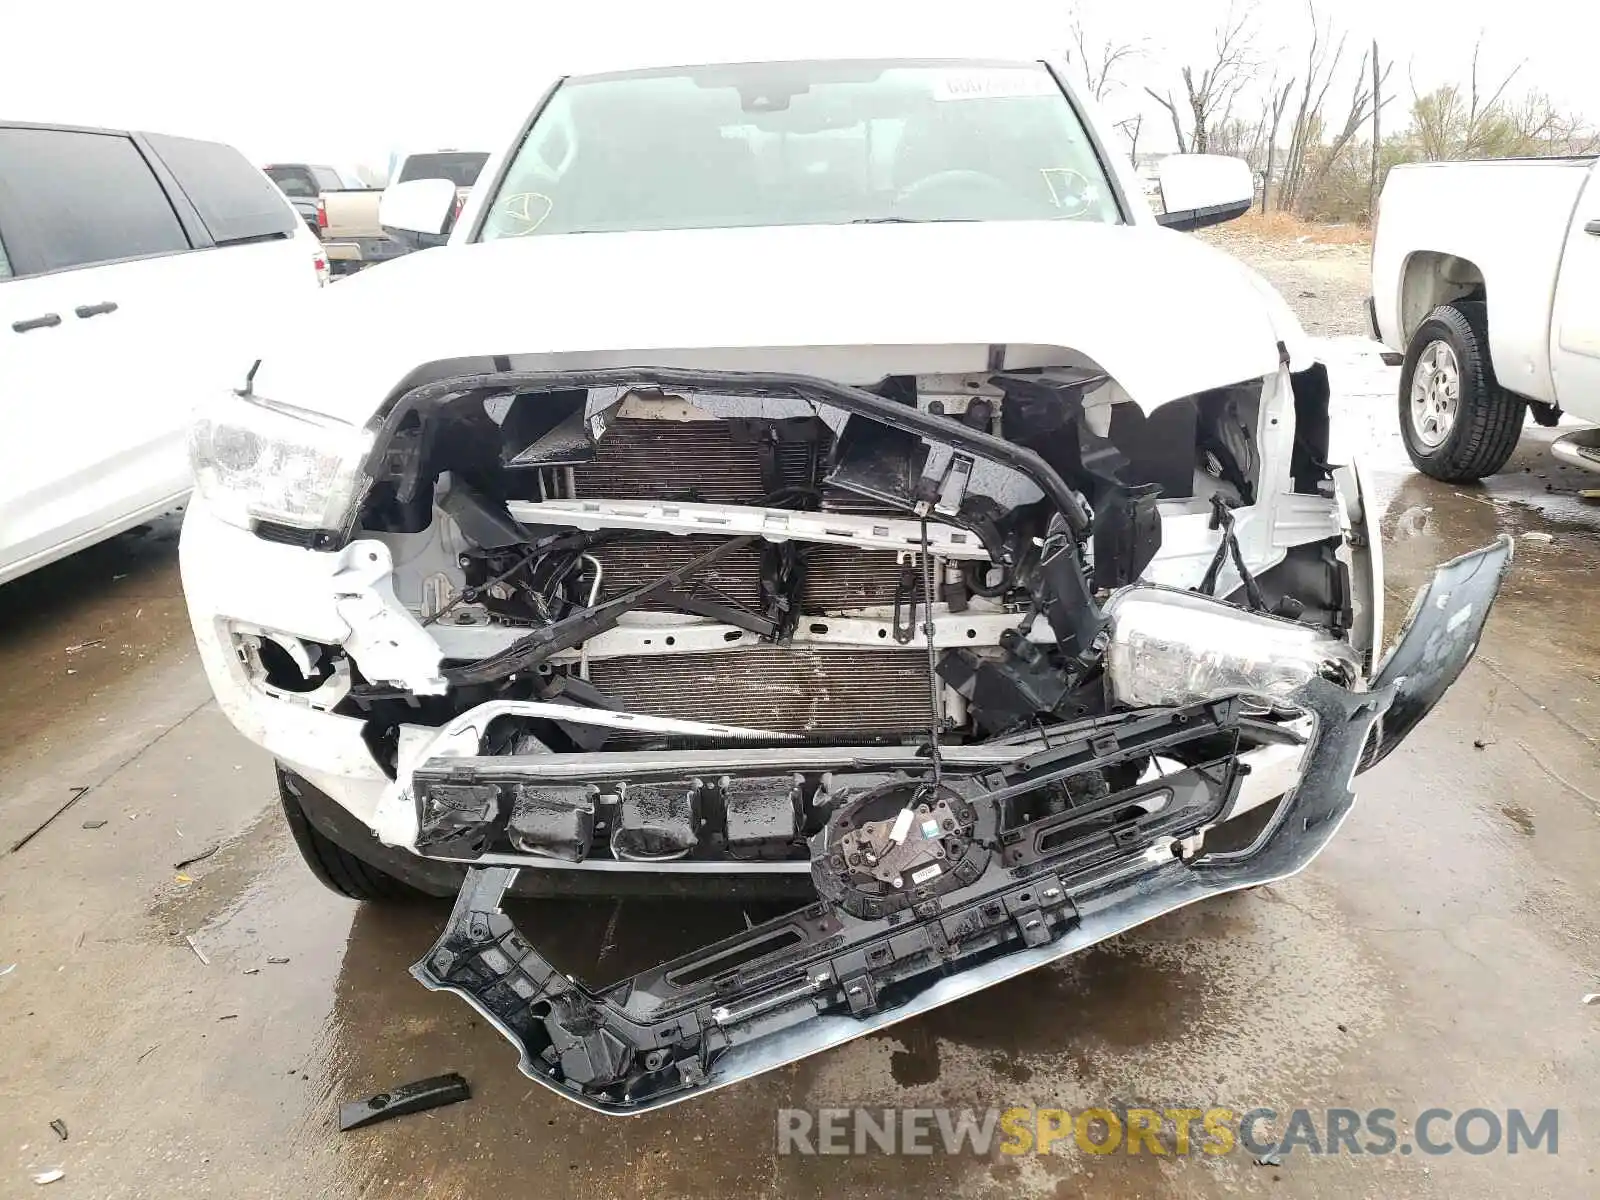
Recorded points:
(685, 460)
(785, 689)
(708, 462)
(644, 558)
(838, 578)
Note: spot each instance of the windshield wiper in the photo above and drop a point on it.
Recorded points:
(910, 220)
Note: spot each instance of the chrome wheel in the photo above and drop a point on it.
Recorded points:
(1435, 394)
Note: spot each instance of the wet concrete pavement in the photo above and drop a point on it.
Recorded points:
(1436, 955)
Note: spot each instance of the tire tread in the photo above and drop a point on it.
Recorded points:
(1489, 421)
(339, 870)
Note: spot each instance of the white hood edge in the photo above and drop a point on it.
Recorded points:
(1162, 313)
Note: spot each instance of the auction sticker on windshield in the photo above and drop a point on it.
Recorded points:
(998, 83)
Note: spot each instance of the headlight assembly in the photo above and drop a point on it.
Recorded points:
(259, 460)
(1171, 648)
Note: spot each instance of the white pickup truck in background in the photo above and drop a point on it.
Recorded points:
(353, 236)
(1487, 276)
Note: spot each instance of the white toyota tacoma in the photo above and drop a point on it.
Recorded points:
(825, 473)
(1486, 276)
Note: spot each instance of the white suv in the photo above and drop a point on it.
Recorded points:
(132, 266)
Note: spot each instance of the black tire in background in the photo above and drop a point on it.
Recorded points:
(1486, 421)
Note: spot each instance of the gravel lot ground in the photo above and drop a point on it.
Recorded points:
(1436, 956)
(1326, 285)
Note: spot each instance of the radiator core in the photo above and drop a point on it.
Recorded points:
(787, 689)
(835, 580)
(694, 461)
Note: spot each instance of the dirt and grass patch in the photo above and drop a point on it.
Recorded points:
(1286, 227)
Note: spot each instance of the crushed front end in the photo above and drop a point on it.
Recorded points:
(999, 661)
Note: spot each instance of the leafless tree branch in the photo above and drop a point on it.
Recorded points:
(1210, 90)
(1099, 65)
(1131, 128)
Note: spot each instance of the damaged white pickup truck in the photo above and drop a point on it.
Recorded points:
(818, 472)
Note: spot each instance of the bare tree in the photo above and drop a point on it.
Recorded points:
(1277, 103)
(1131, 128)
(1322, 60)
(1233, 137)
(1541, 129)
(1362, 105)
(1450, 124)
(1171, 106)
(1379, 74)
(1478, 110)
(1098, 66)
(1210, 91)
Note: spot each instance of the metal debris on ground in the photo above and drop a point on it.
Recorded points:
(1592, 998)
(1273, 1159)
(78, 793)
(403, 1100)
(228, 1017)
(50, 1176)
(60, 1127)
(8, 968)
(201, 857)
(1540, 536)
(198, 953)
(94, 824)
(86, 645)
(277, 961)
(252, 970)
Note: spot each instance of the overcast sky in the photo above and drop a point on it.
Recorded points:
(353, 80)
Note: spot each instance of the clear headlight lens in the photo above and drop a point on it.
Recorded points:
(1171, 648)
(258, 460)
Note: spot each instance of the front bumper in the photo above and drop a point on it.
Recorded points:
(820, 977)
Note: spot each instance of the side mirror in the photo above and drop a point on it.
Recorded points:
(423, 206)
(1204, 189)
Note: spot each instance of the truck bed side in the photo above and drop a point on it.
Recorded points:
(1496, 228)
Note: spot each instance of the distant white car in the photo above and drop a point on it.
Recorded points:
(134, 270)
(1487, 276)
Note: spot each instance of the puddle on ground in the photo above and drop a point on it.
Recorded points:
(203, 897)
(1173, 1011)
(1125, 995)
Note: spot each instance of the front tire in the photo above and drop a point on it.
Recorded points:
(1458, 423)
(338, 869)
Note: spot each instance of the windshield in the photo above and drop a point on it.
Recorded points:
(460, 168)
(801, 144)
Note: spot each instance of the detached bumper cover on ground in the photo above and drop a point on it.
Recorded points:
(823, 976)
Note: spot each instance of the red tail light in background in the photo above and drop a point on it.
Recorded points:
(322, 213)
